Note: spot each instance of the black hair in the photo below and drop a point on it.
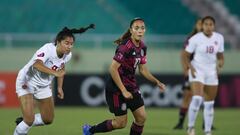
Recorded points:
(208, 17)
(127, 34)
(66, 32)
(195, 30)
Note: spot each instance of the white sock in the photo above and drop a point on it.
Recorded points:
(38, 120)
(21, 129)
(193, 110)
(208, 113)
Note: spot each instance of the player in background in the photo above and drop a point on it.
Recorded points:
(35, 78)
(122, 91)
(208, 48)
(187, 93)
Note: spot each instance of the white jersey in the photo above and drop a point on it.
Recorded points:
(205, 49)
(48, 54)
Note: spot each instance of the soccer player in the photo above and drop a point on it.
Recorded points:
(208, 48)
(187, 93)
(122, 91)
(34, 81)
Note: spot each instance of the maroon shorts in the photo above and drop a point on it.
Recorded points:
(119, 105)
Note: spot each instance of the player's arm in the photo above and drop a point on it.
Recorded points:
(187, 63)
(220, 60)
(60, 85)
(42, 68)
(184, 65)
(145, 72)
(116, 78)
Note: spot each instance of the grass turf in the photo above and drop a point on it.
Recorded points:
(160, 121)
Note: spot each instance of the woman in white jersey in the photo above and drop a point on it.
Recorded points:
(208, 48)
(35, 78)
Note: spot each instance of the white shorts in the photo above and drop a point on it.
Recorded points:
(39, 92)
(205, 76)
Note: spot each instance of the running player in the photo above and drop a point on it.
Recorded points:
(208, 48)
(35, 78)
(122, 91)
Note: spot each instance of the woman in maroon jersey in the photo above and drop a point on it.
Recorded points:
(122, 91)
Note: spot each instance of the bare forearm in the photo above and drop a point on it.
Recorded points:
(116, 78)
(60, 82)
(40, 67)
(220, 59)
(145, 72)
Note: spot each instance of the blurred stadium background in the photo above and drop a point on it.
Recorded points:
(26, 25)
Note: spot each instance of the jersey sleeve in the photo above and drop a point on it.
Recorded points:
(120, 54)
(191, 46)
(144, 57)
(221, 48)
(42, 54)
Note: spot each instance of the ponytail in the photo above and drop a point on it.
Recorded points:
(66, 32)
(125, 36)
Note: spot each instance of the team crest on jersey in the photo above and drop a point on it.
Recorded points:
(124, 107)
(41, 55)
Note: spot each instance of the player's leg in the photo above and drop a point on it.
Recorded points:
(137, 107)
(27, 108)
(117, 106)
(46, 106)
(46, 115)
(138, 124)
(210, 93)
(118, 122)
(187, 96)
(197, 89)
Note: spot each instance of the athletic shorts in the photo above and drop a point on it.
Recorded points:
(118, 104)
(39, 92)
(204, 75)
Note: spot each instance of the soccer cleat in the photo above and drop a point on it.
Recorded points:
(178, 126)
(191, 131)
(18, 120)
(85, 129)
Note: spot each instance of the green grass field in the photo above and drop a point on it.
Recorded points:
(68, 121)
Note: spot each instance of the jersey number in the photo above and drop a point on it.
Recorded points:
(210, 49)
(137, 61)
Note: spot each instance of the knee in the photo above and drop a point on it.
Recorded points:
(140, 120)
(118, 124)
(48, 120)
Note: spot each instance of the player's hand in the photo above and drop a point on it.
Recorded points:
(60, 93)
(59, 73)
(161, 86)
(127, 95)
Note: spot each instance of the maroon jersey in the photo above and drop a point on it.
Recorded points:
(129, 56)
